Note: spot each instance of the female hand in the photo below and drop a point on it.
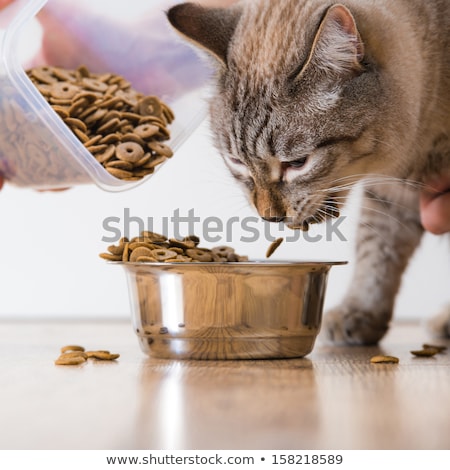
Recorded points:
(435, 205)
(5, 3)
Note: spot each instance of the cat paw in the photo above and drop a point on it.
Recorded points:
(350, 325)
(439, 326)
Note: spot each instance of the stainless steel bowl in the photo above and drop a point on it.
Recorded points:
(251, 310)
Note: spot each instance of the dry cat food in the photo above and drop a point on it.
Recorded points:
(123, 129)
(274, 245)
(72, 348)
(384, 360)
(69, 360)
(102, 355)
(73, 355)
(425, 352)
(440, 348)
(151, 247)
(429, 350)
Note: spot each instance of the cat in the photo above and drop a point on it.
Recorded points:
(312, 97)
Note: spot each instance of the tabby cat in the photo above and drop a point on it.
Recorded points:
(313, 97)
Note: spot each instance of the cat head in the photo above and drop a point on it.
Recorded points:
(296, 113)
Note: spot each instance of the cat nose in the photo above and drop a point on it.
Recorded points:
(275, 219)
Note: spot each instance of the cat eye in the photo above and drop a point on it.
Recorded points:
(301, 162)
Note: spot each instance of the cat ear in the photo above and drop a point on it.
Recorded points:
(209, 28)
(337, 47)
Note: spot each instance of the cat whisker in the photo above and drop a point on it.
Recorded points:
(325, 216)
(343, 200)
(371, 228)
(390, 202)
(388, 216)
(374, 180)
(387, 145)
(379, 176)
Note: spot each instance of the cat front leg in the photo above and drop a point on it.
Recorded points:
(388, 233)
(439, 325)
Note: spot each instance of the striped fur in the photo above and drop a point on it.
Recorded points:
(312, 97)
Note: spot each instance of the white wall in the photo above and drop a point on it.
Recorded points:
(50, 241)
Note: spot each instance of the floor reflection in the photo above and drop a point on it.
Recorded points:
(226, 404)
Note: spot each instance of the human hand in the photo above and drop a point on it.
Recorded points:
(435, 205)
(5, 3)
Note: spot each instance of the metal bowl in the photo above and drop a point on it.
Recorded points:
(250, 310)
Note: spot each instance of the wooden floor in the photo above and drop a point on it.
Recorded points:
(334, 399)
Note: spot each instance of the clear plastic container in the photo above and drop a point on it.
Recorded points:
(132, 39)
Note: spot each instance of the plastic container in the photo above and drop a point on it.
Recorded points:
(37, 149)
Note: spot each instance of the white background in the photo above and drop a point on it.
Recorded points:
(50, 241)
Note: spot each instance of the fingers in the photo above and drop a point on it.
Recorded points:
(435, 213)
(57, 190)
(435, 206)
(5, 3)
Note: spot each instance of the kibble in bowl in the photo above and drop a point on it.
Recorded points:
(213, 303)
(124, 130)
(66, 126)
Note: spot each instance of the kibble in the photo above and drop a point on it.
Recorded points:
(70, 361)
(151, 247)
(123, 129)
(68, 355)
(102, 355)
(72, 347)
(384, 360)
(440, 348)
(74, 355)
(274, 245)
(425, 352)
